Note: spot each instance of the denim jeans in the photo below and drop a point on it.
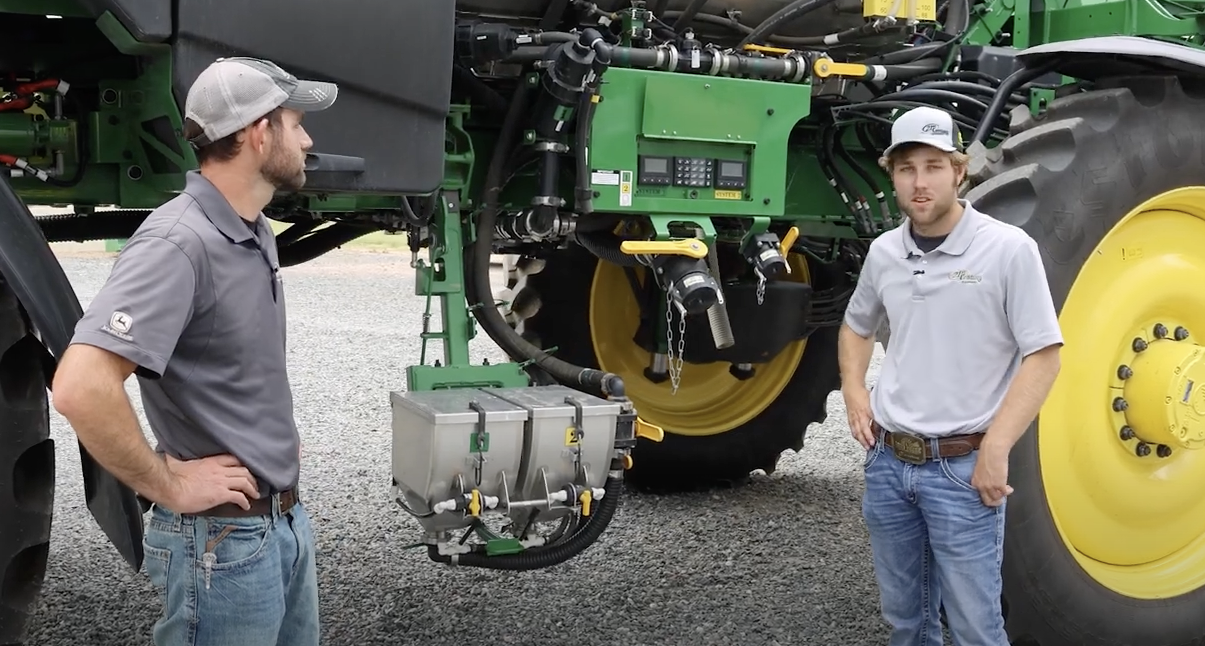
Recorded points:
(260, 590)
(934, 543)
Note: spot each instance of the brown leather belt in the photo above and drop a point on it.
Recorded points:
(918, 450)
(259, 507)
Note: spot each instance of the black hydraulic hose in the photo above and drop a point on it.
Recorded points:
(687, 15)
(605, 245)
(780, 18)
(98, 225)
(320, 242)
(878, 193)
(1014, 80)
(556, 554)
(583, 195)
(958, 17)
(486, 313)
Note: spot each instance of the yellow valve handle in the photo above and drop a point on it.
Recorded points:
(475, 503)
(766, 49)
(788, 241)
(688, 247)
(826, 67)
(586, 498)
(649, 431)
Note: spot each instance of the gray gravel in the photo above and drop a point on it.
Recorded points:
(781, 561)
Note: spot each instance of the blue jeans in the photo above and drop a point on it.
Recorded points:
(260, 590)
(935, 543)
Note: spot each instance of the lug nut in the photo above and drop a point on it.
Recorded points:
(1160, 330)
(1139, 344)
(1181, 333)
(1143, 449)
(1119, 404)
(1124, 372)
(1127, 433)
(1164, 450)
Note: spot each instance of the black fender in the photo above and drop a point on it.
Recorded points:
(1098, 57)
(31, 269)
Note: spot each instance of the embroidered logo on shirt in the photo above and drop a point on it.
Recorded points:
(119, 325)
(964, 276)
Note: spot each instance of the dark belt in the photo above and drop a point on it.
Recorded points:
(259, 507)
(918, 450)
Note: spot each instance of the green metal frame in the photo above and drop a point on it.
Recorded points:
(640, 112)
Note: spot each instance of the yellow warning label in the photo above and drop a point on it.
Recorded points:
(727, 195)
(570, 438)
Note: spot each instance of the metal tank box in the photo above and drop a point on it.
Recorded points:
(562, 423)
(442, 449)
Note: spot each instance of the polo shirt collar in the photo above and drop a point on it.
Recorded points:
(217, 208)
(958, 240)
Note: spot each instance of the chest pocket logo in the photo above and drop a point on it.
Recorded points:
(964, 276)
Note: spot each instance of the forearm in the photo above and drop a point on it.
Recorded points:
(99, 411)
(853, 357)
(1023, 399)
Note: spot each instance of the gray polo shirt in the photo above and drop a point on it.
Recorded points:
(960, 317)
(195, 299)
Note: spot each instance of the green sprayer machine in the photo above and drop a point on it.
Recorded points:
(706, 172)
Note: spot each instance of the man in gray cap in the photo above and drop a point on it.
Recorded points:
(194, 308)
(973, 353)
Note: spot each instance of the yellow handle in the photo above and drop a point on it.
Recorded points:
(586, 498)
(475, 503)
(649, 431)
(788, 241)
(825, 67)
(687, 247)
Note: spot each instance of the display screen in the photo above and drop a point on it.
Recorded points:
(656, 165)
(730, 169)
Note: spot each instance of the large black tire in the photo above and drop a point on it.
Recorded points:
(26, 470)
(684, 462)
(1066, 178)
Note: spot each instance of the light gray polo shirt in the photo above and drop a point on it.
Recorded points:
(195, 299)
(960, 317)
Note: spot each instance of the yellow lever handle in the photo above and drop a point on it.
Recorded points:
(687, 247)
(788, 241)
(649, 431)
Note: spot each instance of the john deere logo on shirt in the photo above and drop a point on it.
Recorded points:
(964, 276)
(119, 325)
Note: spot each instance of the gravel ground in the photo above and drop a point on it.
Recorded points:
(781, 561)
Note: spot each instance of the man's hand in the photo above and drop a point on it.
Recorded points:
(208, 482)
(991, 475)
(857, 409)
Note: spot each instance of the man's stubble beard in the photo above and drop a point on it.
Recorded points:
(283, 171)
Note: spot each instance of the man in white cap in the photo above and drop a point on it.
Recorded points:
(194, 308)
(973, 353)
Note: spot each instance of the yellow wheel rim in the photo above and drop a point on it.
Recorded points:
(1133, 513)
(709, 400)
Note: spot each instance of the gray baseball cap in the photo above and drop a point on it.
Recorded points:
(232, 93)
(925, 125)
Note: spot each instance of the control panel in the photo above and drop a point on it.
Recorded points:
(693, 172)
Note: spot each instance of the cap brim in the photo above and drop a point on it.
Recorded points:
(938, 143)
(312, 96)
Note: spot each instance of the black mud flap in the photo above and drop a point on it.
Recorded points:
(33, 272)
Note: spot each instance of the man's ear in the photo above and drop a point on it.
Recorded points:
(257, 136)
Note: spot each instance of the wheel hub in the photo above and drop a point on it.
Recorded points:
(1162, 403)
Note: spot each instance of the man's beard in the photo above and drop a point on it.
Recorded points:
(281, 172)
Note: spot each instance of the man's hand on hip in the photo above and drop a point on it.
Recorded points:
(209, 482)
(991, 476)
(857, 409)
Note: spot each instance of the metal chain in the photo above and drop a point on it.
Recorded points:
(674, 366)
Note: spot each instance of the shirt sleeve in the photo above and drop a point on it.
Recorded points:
(144, 306)
(865, 312)
(1029, 306)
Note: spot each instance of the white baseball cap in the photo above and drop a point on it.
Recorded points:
(232, 93)
(925, 125)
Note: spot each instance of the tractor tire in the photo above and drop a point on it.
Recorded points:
(1105, 541)
(552, 309)
(26, 470)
